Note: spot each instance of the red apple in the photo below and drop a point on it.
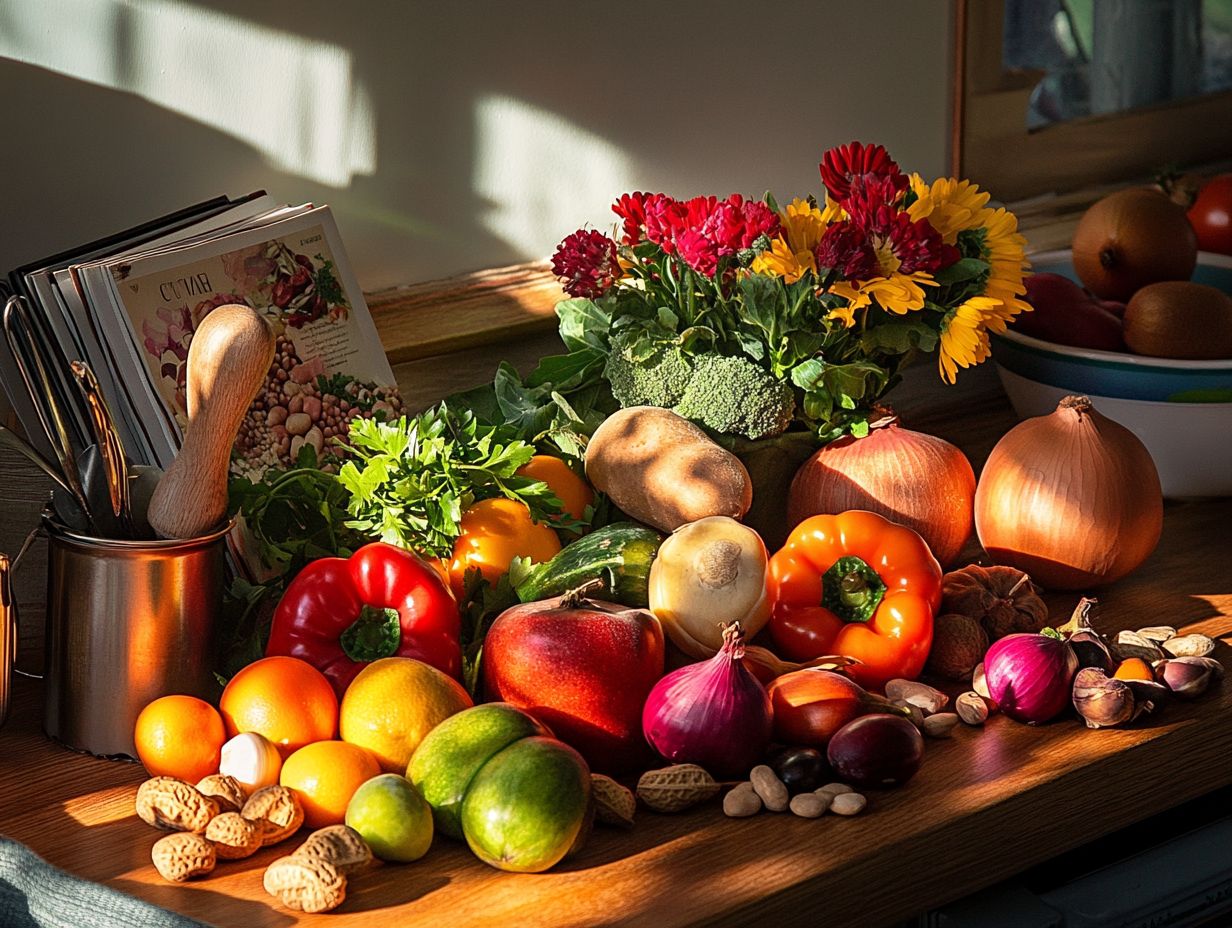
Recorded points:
(581, 667)
(1066, 314)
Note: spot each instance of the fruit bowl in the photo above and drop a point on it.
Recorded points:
(1182, 410)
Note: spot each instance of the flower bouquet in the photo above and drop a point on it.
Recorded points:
(778, 329)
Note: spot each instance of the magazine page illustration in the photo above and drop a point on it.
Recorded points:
(329, 366)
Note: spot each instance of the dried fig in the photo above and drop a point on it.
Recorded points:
(1002, 599)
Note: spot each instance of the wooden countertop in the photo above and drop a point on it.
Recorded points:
(986, 804)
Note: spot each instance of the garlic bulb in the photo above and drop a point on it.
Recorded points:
(251, 759)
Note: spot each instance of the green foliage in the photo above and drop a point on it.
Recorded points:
(295, 516)
(327, 283)
(410, 481)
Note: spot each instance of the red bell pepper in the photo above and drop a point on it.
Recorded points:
(339, 614)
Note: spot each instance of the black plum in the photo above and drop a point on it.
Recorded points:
(876, 750)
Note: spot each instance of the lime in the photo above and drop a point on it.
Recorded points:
(392, 817)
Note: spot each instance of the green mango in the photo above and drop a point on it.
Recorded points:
(528, 805)
(447, 760)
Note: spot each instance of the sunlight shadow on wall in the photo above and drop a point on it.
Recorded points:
(295, 100)
(541, 175)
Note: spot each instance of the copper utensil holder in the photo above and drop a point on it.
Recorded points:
(127, 622)
(8, 638)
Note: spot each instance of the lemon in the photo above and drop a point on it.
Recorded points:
(393, 703)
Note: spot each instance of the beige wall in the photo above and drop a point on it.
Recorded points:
(447, 136)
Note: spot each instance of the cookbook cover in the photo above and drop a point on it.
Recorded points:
(329, 365)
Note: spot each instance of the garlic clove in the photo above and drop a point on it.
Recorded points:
(1130, 644)
(1157, 633)
(979, 684)
(1102, 701)
(1189, 645)
(252, 759)
(922, 695)
(1188, 677)
(972, 708)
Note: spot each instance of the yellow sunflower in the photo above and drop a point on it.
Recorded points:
(950, 205)
(964, 336)
(791, 253)
(782, 261)
(898, 293)
(1005, 252)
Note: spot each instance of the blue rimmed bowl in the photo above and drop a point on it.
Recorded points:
(1182, 410)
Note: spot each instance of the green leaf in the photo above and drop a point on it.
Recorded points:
(961, 270)
(668, 319)
(808, 374)
(751, 345)
(763, 302)
(855, 380)
(583, 324)
(567, 371)
(899, 337)
(697, 339)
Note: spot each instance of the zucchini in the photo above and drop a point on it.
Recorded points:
(619, 555)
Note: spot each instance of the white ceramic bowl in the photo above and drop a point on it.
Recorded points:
(1191, 442)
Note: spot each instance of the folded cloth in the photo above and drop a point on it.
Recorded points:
(34, 894)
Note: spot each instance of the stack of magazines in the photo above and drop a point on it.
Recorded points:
(129, 305)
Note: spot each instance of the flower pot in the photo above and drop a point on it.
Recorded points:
(772, 463)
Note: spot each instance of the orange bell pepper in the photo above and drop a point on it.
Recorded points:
(860, 585)
(493, 533)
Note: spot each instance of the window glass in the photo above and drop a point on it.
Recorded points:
(1108, 56)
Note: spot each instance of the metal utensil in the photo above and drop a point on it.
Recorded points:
(92, 466)
(143, 481)
(127, 622)
(110, 450)
(42, 394)
(64, 502)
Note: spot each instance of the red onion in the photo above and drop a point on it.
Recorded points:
(715, 714)
(1029, 676)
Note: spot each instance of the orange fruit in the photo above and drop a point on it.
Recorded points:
(326, 775)
(494, 532)
(283, 698)
(572, 490)
(393, 703)
(179, 736)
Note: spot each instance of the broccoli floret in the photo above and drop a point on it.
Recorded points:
(655, 381)
(735, 396)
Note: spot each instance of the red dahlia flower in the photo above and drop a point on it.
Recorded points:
(631, 208)
(846, 250)
(586, 263)
(858, 164)
(880, 242)
(665, 219)
(704, 229)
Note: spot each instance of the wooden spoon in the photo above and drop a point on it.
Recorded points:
(228, 359)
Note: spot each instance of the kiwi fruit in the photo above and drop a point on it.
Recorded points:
(1179, 319)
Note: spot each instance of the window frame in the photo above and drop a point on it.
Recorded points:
(990, 106)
